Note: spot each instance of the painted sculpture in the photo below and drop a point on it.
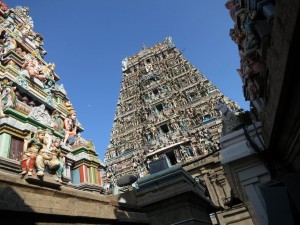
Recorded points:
(30, 152)
(70, 126)
(32, 102)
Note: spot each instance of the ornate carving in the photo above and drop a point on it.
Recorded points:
(21, 80)
(40, 114)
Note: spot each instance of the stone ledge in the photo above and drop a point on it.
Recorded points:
(17, 196)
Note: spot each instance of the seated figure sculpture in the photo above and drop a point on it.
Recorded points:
(32, 147)
(44, 157)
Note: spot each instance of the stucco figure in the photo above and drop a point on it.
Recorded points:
(229, 119)
(9, 22)
(125, 64)
(31, 65)
(57, 163)
(70, 126)
(7, 95)
(31, 148)
(9, 43)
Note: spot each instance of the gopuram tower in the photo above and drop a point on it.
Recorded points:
(167, 108)
(39, 129)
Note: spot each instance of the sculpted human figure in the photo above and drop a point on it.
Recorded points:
(49, 85)
(57, 163)
(70, 126)
(125, 64)
(9, 43)
(31, 148)
(9, 22)
(229, 119)
(69, 106)
(47, 70)
(2, 115)
(44, 155)
(31, 65)
(177, 155)
(8, 95)
(174, 125)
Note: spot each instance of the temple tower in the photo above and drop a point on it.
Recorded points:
(166, 108)
(39, 128)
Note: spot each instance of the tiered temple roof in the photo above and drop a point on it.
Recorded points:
(33, 103)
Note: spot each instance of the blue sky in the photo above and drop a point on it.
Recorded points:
(87, 41)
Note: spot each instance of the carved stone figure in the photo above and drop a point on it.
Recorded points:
(230, 120)
(24, 13)
(58, 123)
(57, 163)
(40, 114)
(44, 155)
(49, 85)
(31, 148)
(31, 65)
(125, 64)
(9, 22)
(174, 125)
(70, 126)
(9, 43)
(169, 41)
(177, 155)
(69, 106)
(7, 96)
(47, 70)
(2, 115)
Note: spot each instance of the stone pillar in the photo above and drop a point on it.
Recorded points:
(246, 172)
(67, 171)
(5, 140)
(173, 197)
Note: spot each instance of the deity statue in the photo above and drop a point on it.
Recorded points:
(69, 105)
(177, 155)
(49, 85)
(32, 66)
(125, 64)
(47, 70)
(7, 95)
(48, 138)
(2, 115)
(44, 155)
(57, 163)
(70, 126)
(229, 119)
(135, 160)
(30, 153)
(169, 41)
(23, 12)
(174, 125)
(9, 22)
(9, 43)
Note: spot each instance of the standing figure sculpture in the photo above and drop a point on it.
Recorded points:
(57, 163)
(44, 156)
(229, 119)
(70, 126)
(30, 153)
(2, 115)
